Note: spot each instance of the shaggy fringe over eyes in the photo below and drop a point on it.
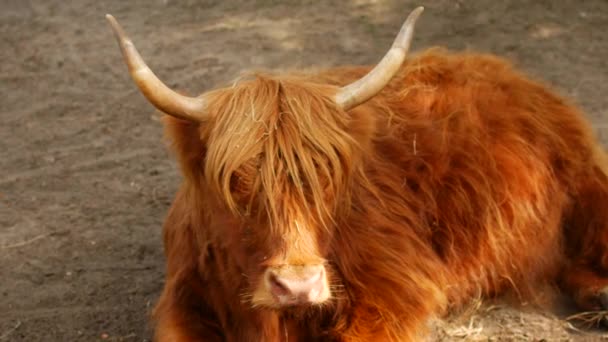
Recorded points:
(274, 142)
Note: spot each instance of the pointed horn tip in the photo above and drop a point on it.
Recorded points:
(415, 13)
(110, 18)
(119, 32)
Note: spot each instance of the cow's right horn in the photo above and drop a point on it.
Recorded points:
(364, 89)
(161, 96)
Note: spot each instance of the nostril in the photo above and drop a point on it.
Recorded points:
(277, 287)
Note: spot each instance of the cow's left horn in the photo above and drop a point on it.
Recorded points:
(163, 98)
(364, 89)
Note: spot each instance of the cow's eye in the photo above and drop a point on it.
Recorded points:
(236, 184)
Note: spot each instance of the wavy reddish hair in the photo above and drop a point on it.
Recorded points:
(461, 178)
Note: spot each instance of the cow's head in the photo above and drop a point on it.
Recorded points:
(278, 159)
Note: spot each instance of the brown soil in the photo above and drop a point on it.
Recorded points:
(85, 180)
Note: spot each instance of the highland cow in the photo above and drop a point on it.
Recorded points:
(352, 204)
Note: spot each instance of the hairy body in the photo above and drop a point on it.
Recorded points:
(461, 177)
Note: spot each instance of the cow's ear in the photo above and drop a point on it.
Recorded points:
(184, 139)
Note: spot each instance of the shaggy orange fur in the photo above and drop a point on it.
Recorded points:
(461, 178)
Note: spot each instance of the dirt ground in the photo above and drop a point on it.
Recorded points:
(85, 180)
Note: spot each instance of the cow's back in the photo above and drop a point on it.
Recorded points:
(487, 156)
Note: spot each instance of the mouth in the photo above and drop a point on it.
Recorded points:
(287, 305)
(294, 301)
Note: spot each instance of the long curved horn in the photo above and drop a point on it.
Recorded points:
(364, 89)
(163, 98)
